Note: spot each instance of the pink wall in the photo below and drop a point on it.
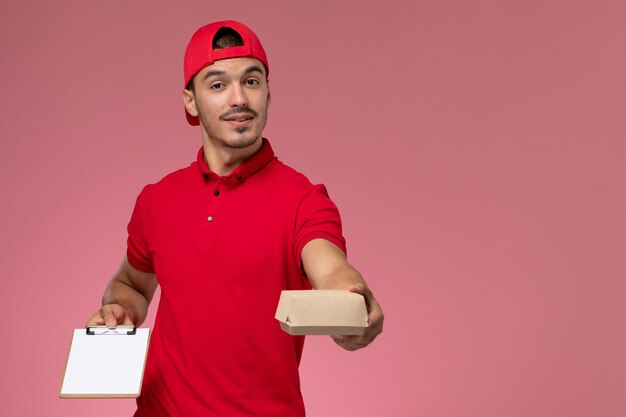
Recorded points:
(475, 149)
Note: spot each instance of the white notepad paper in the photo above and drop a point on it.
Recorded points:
(108, 365)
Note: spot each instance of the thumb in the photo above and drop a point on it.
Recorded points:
(357, 288)
(113, 314)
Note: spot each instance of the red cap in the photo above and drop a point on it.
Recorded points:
(200, 53)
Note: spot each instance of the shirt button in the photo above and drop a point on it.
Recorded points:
(216, 192)
(210, 218)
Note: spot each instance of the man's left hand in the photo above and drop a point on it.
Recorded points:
(375, 317)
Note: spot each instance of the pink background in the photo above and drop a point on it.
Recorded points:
(475, 149)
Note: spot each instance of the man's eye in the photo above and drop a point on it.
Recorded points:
(252, 81)
(216, 86)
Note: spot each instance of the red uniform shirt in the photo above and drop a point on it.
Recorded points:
(222, 249)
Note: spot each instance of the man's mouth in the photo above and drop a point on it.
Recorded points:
(239, 118)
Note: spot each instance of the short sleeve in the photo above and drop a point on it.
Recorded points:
(138, 251)
(317, 217)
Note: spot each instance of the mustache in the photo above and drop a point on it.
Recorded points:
(239, 110)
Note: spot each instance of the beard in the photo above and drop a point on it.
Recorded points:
(239, 137)
(241, 140)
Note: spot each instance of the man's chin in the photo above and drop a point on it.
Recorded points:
(241, 142)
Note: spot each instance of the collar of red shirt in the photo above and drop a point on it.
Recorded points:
(252, 165)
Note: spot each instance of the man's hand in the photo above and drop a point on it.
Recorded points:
(110, 315)
(328, 269)
(126, 299)
(375, 317)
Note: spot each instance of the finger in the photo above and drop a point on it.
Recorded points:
(365, 292)
(121, 316)
(362, 290)
(127, 321)
(351, 343)
(357, 288)
(350, 346)
(375, 313)
(110, 314)
(339, 340)
(95, 320)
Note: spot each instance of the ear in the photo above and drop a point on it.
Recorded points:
(269, 95)
(190, 102)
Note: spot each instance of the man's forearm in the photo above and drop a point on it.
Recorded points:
(340, 279)
(126, 298)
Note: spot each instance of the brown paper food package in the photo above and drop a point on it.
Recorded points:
(322, 312)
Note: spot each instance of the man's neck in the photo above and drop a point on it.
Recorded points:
(223, 160)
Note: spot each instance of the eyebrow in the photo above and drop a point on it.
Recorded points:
(213, 73)
(254, 68)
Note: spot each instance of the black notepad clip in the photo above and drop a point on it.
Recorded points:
(104, 330)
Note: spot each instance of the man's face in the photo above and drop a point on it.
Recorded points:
(230, 99)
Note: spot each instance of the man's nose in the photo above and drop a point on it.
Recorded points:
(238, 96)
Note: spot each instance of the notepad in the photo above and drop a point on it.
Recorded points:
(106, 363)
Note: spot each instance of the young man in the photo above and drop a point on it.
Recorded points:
(222, 238)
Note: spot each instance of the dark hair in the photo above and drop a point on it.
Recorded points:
(224, 38)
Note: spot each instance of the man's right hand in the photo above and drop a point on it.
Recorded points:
(110, 315)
